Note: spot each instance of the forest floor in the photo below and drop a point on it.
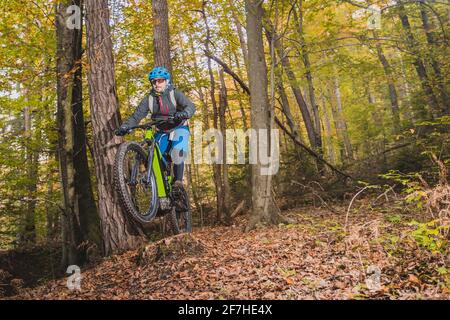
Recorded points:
(312, 258)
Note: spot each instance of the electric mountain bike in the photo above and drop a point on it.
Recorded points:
(143, 177)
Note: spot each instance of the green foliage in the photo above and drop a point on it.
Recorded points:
(430, 235)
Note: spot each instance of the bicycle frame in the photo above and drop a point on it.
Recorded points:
(163, 184)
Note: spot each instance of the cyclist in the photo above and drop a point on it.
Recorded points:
(173, 136)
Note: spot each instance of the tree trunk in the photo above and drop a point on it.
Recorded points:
(119, 232)
(71, 234)
(287, 112)
(87, 208)
(200, 89)
(419, 65)
(339, 122)
(50, 215)
(306, 62)
(441, 84)
(328, 135)
(29, 228)
(259, 101)
(391, 86)
(270, 33)
(216, 167)
(161, 45)
(238, 93)
(223, 105)
(193, 187)
(240, 33)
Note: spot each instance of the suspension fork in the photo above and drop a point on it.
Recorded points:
(154, 164)
(134, 171)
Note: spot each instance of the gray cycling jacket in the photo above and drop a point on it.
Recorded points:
(162, 105)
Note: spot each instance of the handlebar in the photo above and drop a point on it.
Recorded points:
(156, 121)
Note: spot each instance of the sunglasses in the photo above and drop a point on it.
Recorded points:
(155, 81)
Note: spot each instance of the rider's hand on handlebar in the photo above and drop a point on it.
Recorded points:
(180, 115)
(123, 130)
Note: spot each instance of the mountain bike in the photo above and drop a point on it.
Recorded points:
(143, 177)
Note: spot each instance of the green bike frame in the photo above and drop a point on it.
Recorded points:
(163, 185)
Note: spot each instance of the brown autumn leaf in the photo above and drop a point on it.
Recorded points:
(413, 279)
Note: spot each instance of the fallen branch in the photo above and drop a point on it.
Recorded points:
(391, 188)
(403, 145)
(238, 209)
(310, 151)
(313, 191)
(350, 205)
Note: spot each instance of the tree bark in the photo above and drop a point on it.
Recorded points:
(87, 208)
(71, 234)
(119, 232)
(260, 119)
(161, 36)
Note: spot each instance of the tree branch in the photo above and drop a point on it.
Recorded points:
(227, 69)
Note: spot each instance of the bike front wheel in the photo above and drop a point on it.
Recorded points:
(137, 192)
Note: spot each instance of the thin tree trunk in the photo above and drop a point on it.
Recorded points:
(216, 167)
(29, 231)
(391, 86)
(200, 89)
(240, 32)
(49, 213)
(378, 120)
(328, 135)
(339, 122)
(223, 104)
(309, 78)
(270, 33)
(441, 84)
(241, 104)
(193, 187)
(405, 94)
(119, 232)
(287, 112)
(419, 65)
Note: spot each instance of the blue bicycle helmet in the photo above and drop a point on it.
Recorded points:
(159, 73)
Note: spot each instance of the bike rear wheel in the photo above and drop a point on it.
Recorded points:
(138, 196)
